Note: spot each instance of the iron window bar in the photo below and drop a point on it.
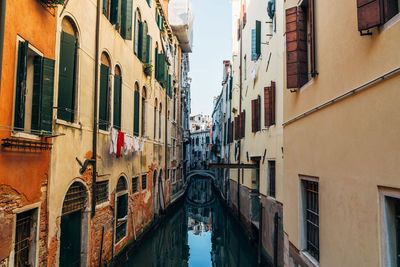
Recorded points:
(23, 238)
(45, 134)
(312, 218)
(75, 199)
(25, 145)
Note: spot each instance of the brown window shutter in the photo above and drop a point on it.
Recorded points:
(237, 127)
(369, 14)
(267, 117)
(254, 115)
(296, 48)
(258, 113)
(242, 124)
(272, 103)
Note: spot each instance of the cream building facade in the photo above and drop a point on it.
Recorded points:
(138, 95)
(341, 127)
(257, 116)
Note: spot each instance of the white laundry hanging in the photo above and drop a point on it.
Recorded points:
(113, 143)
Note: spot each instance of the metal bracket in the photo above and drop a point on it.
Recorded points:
(365, 33)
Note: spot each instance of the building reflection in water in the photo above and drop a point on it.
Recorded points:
(199, 233)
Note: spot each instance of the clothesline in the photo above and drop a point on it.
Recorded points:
(126, 143)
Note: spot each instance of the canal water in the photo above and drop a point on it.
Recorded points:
(200, 233)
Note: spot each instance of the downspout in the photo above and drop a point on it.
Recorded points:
(166, 147)
(96, 83)
(3, 4)
(240, 110)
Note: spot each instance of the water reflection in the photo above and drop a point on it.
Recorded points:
(200, 233)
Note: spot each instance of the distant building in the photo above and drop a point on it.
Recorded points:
(199, 122)
(200, 147)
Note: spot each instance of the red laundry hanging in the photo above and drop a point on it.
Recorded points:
(120, 143)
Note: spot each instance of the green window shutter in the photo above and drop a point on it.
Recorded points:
(161, 23)
(144, 43)
(157, 17)
(103, 105)
(160, 67)
(46, 95)
(136, 114)
(37, 85)
(126, 25)
(148, 48)
(155, 63)
(149, 2)
(19, 115)
(117, 101)
(165, 78)
(258, 37)
(114, 11)
(136, 42)
(66, 80)
(140, 41)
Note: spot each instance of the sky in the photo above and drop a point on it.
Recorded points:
(212, 34)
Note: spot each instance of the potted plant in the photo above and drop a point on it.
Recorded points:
(53, 3)
(147, 69)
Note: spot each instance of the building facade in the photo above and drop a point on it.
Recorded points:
(200, 149)
(26, 132)
(341, 128)
(256, 193)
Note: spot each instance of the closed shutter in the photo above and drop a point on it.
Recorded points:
(46, 95)
(136, 41)
(117, 101)
(272, 103)
(136, 114)
(103, 105)
(256, 41)
(143, 42)
(237, 128)
(37, 85)
(114, 11)
(19, 115)
(254, 115)
(242, 121)
(66, 79)
(267, 99)
(230, 87)
(160, 68)
(126, 25)
(369, 14)
(165, 79)
(149, 48)
(140, 41)
(296, 48)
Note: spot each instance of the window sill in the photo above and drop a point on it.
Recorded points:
(309, 259)
(102, 205)
(25, 135)
(393, 21)
(69, 124)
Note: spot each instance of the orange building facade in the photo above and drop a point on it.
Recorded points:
(26, 80)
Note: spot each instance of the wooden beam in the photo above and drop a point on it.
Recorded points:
(233, 166)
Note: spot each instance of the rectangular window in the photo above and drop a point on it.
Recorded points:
(101, 192)
(390, 220)
(119, 13)
(33, 111)
(144, 181)
(269, 105)
(136, 114)
(25, 238)
(372, 13)
(255, 115)
(271, 178)
(310, 213)
(135, 184)
(122, 217)
(117, 101)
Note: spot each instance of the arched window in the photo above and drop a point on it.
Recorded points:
(67, 80)
(136, 110)
(117, 98)
(155, 118)
(160, 122)
(104, 103)
(122, 209)
(144, 94)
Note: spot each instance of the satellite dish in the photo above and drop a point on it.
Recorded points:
(271, 8)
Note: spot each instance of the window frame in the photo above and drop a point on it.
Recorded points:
(269, 191)
(383, 193)
(143, 184)
(107, 201)
(138, 185)
(118, 195)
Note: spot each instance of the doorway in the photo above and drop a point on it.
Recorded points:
(71, 249)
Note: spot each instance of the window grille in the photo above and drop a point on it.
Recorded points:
(135, 184)
(122, 217)
(121, 185)
(144, 181)
(101, 192)
(74, 199)
(312, 217)
(23, 238)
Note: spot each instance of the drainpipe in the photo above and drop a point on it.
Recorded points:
(240, 110)
(3, 4)
(166, 146)
(96, 83)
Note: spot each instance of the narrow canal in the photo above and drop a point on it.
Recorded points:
(200, 233)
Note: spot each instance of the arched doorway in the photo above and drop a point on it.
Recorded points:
(72, 217)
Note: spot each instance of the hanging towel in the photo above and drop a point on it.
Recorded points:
(120, 143)
(113, 143)
(136, 146)
(128, 143)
